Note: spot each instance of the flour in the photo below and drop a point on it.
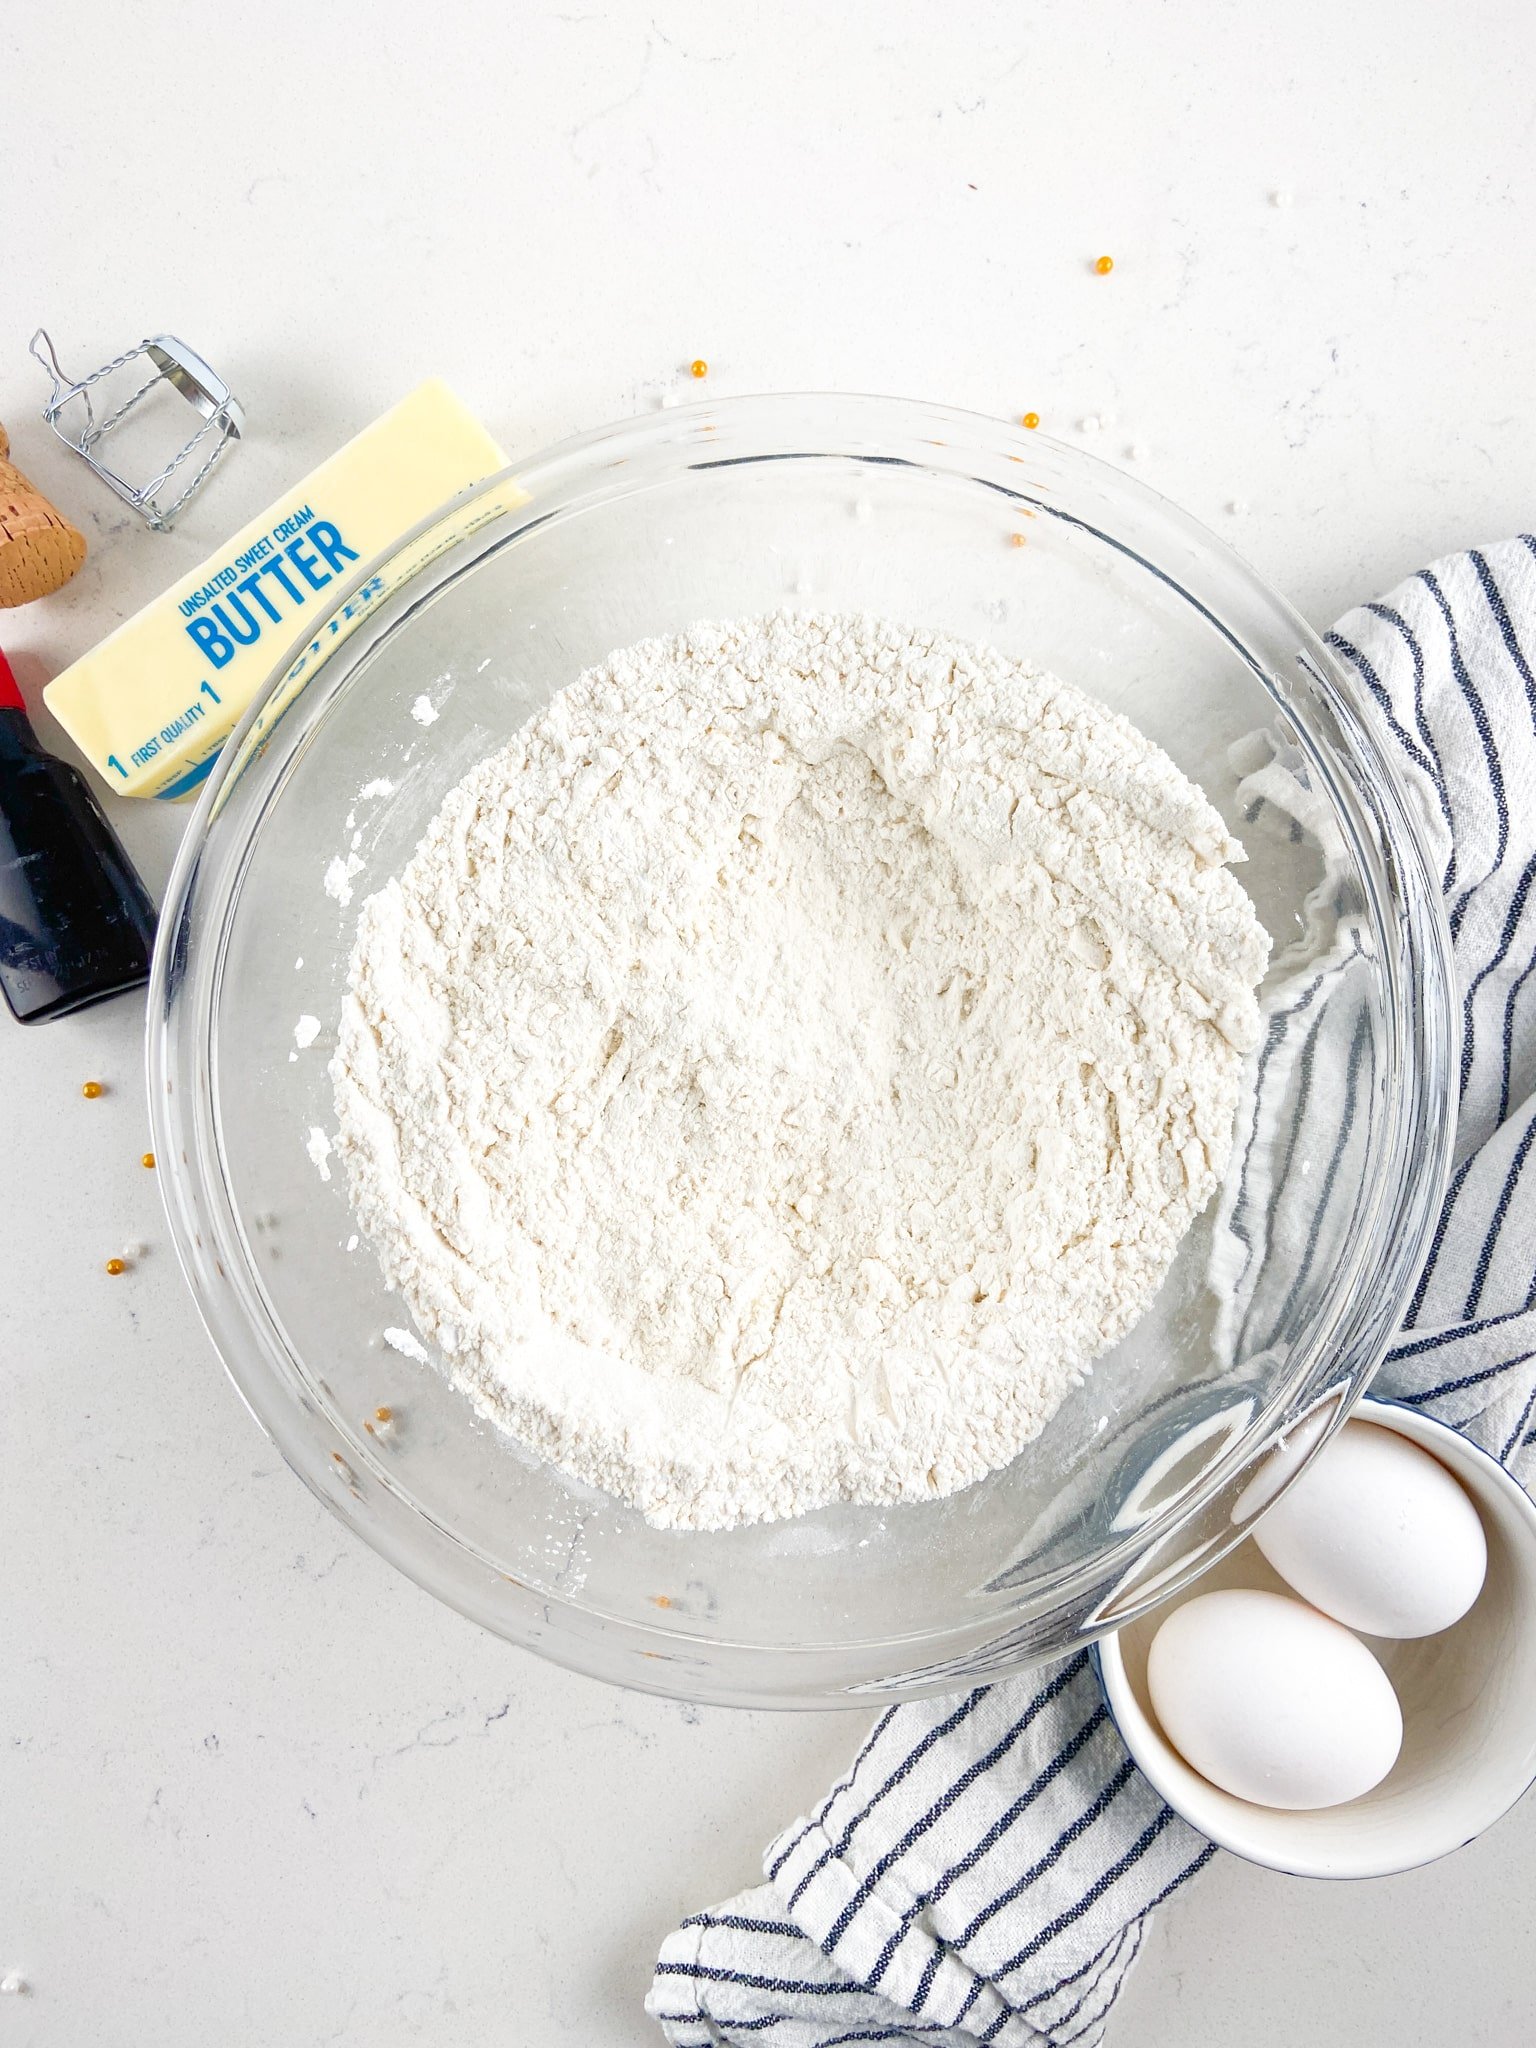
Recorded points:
(338, 877)
(409, 1346)
(318, 1146)
(782, 1069)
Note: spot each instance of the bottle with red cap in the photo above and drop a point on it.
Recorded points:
(76, 923)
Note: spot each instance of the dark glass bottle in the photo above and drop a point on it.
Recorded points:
(76, 923)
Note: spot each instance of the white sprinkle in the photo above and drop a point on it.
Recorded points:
(338, 877)
(318, 1146)
(14, 1985)
(1280, 198)
(306, 1031)
(422, 710)
(135, 1248)
(1237, 504)
(403, 1341)
(1090, 424)
(480, 671)
(352, 1242)
(298, 963)
(671, 398)
(1137, 452)
(382, 786)
(862, 510)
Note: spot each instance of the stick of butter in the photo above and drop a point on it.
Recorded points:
(152, 705)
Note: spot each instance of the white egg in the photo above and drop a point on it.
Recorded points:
(1272, 1701)
(1378, 1534)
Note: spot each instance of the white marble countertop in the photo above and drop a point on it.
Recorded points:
(254, 1786)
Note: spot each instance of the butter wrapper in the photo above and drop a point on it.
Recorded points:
(151, 706)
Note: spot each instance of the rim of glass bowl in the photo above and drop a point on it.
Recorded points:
(1062, 1609)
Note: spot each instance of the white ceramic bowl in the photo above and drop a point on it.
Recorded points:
(1468, 1697)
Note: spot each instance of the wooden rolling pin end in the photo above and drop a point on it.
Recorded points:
(39, 549)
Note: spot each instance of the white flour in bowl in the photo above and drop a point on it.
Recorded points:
(782, 1069)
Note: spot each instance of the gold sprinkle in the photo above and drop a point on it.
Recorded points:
(1031, 419)
(698, 367)
(1104, 265)
(148, 1160)
(383, 1414)
(91, 1089)
(1016, 540)
(116, 1266)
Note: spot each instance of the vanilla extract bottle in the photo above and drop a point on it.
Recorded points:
(76, 923)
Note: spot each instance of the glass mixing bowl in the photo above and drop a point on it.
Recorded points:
(1282, 1298)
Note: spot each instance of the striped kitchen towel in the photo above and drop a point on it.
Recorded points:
(986, 1869)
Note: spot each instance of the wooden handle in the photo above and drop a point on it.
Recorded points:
(39, 549)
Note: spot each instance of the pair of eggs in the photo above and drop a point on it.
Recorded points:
(1274, 1699)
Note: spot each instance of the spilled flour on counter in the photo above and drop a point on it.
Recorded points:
(781, 1070)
